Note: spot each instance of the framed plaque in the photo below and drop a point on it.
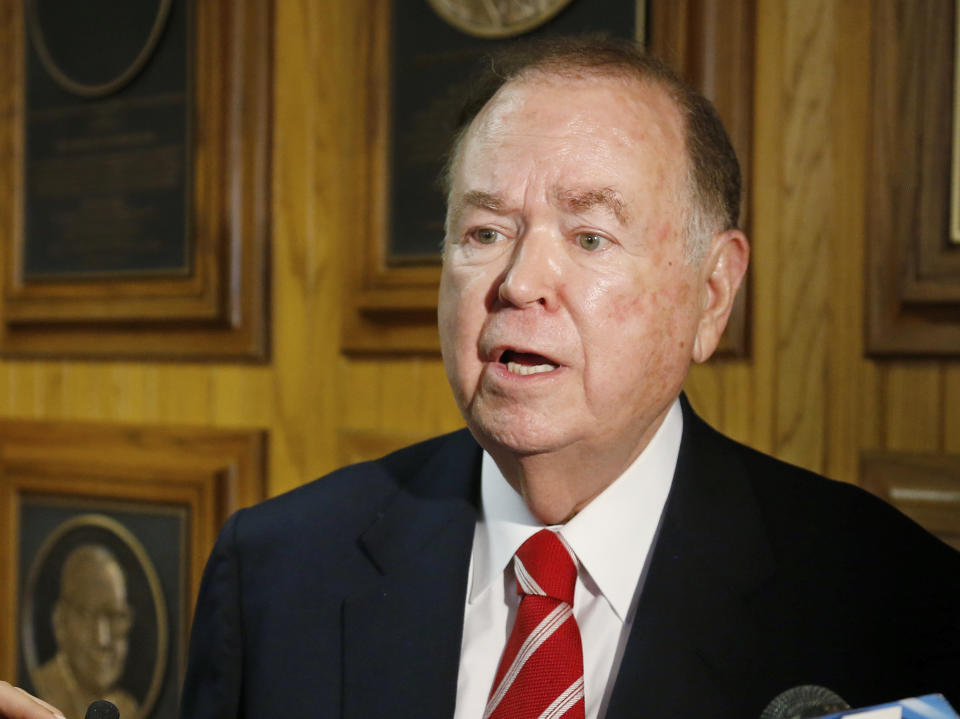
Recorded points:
(106, 530)
(136, 138)
(913, 265)
(86, 567)
(955, 167)
(421, 53)
(107, 143)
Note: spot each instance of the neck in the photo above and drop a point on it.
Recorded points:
(556, 485)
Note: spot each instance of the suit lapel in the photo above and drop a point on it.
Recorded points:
(402, 638)
(692, 634)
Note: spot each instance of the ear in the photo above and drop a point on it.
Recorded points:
(720, 276)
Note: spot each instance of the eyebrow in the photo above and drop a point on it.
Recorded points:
(478, 198)
(575, 200)
(472, 198)
(583, 200)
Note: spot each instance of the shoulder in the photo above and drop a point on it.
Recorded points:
(347, 500)
(52, 684)
(807, 518)
(816, 504)
(814, 520)
(47, 678)
(127, 706)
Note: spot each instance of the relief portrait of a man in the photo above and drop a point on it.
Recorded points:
(91, 623)
(93, 620)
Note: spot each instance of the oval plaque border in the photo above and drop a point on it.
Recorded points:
(102, 89)
(441, 8)
(100, 521)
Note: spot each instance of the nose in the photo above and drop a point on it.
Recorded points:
(104, 631)
(532, 275)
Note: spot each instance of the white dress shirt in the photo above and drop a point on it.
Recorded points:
(624, 516)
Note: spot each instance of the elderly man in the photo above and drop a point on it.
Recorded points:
(589, 548)
(591, 255)
(91, 623)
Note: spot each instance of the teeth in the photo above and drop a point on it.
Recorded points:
(517, 368)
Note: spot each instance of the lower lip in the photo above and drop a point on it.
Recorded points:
(500, 371)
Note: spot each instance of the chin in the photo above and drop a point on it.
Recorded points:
(518, 435)
(102, 677)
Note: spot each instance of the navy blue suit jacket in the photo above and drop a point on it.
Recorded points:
(345, 597)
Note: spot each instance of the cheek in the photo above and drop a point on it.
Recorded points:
(650, 333)
(625, 310)
(460, 309)
(450, 306)
(460, 316)
(662, 310)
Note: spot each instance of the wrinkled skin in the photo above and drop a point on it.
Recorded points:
(565, 243)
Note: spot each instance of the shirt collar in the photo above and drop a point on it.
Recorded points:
(626, 515)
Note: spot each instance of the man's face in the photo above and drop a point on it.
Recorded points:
(93, 622)
(567, 310)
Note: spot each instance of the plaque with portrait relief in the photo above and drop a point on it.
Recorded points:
(109, 530)
(94, 619)
(497, 18)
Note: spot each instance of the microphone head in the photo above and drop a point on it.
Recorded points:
(102, 709)
(804, 702)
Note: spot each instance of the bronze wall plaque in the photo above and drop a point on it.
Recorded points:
(107, 138)
(106, 531)
(135, 138)
(497, 18)
(101, 603)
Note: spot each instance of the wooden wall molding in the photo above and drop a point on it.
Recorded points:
(925, 487)
(210, 473)
(913, 270)
(218, 311)
(391, 309)
(387, 308)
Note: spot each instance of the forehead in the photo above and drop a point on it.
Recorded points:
(95, 579)
(590, 127)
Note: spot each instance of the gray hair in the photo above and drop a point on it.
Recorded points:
(712, 185)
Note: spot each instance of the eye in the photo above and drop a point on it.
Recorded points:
(591, 241)
(486, 236)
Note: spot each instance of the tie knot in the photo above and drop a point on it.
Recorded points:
(544, 566)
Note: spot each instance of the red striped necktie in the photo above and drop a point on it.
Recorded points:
(541, 671)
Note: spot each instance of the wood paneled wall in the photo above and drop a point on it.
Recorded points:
(807, 393)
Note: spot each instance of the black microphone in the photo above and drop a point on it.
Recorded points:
(804, 702)
(102, 709)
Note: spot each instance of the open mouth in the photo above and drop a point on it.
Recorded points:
(526, 363)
